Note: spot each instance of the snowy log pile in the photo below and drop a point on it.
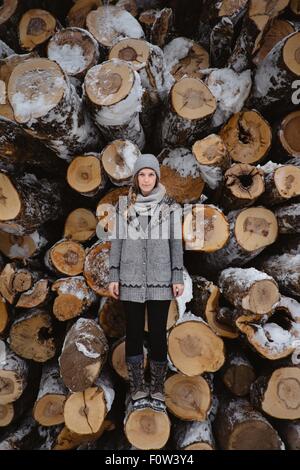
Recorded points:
(212, 89)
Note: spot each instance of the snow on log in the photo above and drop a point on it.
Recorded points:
(237, 373)
(288, 218)
(185, 57)
(282, 184)
(14, 373)
(193, 435)
(118, 159)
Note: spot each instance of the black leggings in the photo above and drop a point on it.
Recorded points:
(157, 323)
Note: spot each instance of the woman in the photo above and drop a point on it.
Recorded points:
(146, 268)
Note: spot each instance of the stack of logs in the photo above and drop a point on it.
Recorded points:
(212, 89)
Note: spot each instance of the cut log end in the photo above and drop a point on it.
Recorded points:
(244, 181)
(289, 133)
(210, 150)
(80, 225)
(67, 306)
(194, 348)
(291, 53)
(118, 158)
(255, 228)
(135, 51)
(68, 257)
(192, 99)
(10, 204)
(84, 173)
(6, 414)
(147, 429)
(253, 435)
(36, 26)
(262, 296)
(109, 83)
(205, 229)
(47, 87)
(282, 396)
(11, 386)
(8, 8)
(188, 398)
(287, 181)
(84, 412)
(48, 410)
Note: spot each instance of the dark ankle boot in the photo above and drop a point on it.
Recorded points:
(139, 392)
(158, 376)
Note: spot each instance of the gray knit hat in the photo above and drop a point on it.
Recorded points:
(146, 160)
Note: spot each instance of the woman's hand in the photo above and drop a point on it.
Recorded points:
(114, 289)
(178, 289)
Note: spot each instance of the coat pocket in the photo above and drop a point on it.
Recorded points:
(127, 271)
(162, 271)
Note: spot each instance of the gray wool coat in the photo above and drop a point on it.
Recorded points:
(148, 263)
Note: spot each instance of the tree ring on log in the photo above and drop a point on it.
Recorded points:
(85, 411)
(68, 257)
(84, 173)
(6, 414)
(109, 82)
(255, 227)
(116, 161)
(262, 295)
(80, 225)
(188, 398)
(282, 396)
(47, 87)
(194, 348)
(244, 181)
(48, 410)
(36, 26)
(135, 51)
(253, 434)
(147, 429)
(192, 99)
(11, 386)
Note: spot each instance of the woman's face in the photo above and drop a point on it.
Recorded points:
(146, 180)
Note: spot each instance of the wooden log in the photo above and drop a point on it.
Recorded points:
(239, 427)
(287, 134)
(289, 431)
(80, 225)
(118, 159)
(96, 269)
(221, 38)
(48, 408)
(193, 436)
(83, 355)
(27, 203)
(277, 394)
(14, 373)
(288, 218)
(255, 23)
(113, 92)
(31, 336)
(185, 57)
(237, 373)
(272, 86)
(22, 246)
(78, 13)
(108, 24)
(161, 29)
(22, 436)
(147, 429)
(206, 304)
(4, 316)
(193, 347)
(86, 174)
(188, 113)
(73, 299)
(277, 31)
(111, 317)
(243, 185)
(188, 398)
(75, 50)
(251, 231)
(57, 117)
(213, 159)
(247, 136)
(35, 28)
(205, 228)
(65, 257)
(282, 183)
(295, 7)
(85, 411)
(285, 268)
(249, 289)
(12, 412)
(180, 174)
